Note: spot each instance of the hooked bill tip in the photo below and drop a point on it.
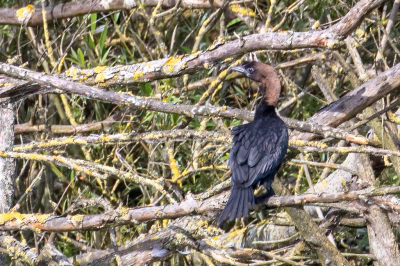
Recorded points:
(239, 69)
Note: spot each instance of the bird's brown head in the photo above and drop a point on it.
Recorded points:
(266, 78)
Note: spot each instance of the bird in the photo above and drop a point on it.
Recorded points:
(259, 147)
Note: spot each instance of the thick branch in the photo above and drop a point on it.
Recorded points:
(9, 16)
(193, 110)
(48, 222)
(357, 100)
(175, 66)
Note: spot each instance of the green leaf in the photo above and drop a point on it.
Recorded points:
(104, 58)
(73, 61)
(74, 55)
(195, 124)
(81, 58)
(236, 123)
(93, 19)
(233, 22)
(149, 117)
(238, 90)
(186, 49)
(90, 41)
(116, 16)
(210, 123)
(103, 38)
(147, 89)
(57, 172)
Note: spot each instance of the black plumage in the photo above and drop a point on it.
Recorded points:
(259, 147)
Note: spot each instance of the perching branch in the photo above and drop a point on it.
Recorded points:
(191, 206)
(354, 101)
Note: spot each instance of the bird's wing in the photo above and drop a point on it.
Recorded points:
(258, 150)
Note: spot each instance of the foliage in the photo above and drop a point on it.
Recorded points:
(129, 37)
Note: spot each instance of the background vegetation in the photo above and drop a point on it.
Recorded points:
(163, 158)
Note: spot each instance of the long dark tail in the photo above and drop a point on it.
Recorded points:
(238, 204)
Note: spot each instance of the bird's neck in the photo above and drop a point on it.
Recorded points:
(270, 88)
(263, 109)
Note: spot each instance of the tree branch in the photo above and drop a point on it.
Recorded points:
(191, 206)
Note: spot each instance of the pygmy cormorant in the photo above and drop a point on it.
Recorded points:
(259, 147)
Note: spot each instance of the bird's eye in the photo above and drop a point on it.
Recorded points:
(251, 70)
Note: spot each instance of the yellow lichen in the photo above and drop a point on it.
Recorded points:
(317, 144)
(42, 218)
(173, 164)
(123, 211)
(223, 73)
(297, 201)
(201, 31)
(393, 118)
(360, 33)
(137, 75)
(310, 143)
(228, 60)
(89, 74)
(76, 219)
(332, 44)
(9, 216)
(386, 161)
(298, 143)
(86, 171)
(242, 10)
(202, 223)
(99, 69)
(105, 138)
(59, 159)
(170, 65)
(165, 222)
(343, 150)
(24, 12)
(196, 53)
(214, 83)
(72, 72)
(234, 234)
(100, 78)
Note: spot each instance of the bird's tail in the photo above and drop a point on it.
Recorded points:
(238, 204)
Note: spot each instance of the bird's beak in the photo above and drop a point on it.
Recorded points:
(241, 70)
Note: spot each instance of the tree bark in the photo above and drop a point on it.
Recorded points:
(382, 241)
(7, 165)
(327, 253)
